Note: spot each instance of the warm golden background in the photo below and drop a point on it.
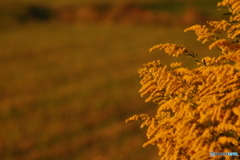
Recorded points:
(68, 73)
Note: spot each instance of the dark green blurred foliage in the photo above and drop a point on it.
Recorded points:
(36, 12)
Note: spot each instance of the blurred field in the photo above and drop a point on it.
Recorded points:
(67, 88)
(90, 2)
(174, 12)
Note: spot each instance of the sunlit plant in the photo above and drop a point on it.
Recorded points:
(199, 109)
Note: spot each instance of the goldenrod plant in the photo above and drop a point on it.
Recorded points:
(199, 109)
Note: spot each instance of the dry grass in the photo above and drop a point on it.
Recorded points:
(66, 90)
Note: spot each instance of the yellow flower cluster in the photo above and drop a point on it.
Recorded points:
(199, 109)
(203, 33)
(227, 2)
(175, 64)
(234, 32)
(234, 7)
(196, 107)
(225, 46)
(222, 25)
(171, 49)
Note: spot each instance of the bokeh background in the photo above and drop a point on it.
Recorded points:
(68, 73)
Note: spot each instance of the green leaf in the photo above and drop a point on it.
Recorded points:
(234, 22)
(204, 62)
(227, 13)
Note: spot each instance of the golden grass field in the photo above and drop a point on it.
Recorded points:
(67, 88)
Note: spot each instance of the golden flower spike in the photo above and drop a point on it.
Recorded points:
(198, 110)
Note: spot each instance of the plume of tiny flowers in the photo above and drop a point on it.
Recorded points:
(236, 7)
(222, 25)
(233, 31)
(226, 2)
(171, 49)
(204, 34)
(225, 46)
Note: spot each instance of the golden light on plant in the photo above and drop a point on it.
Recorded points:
(199, 109)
